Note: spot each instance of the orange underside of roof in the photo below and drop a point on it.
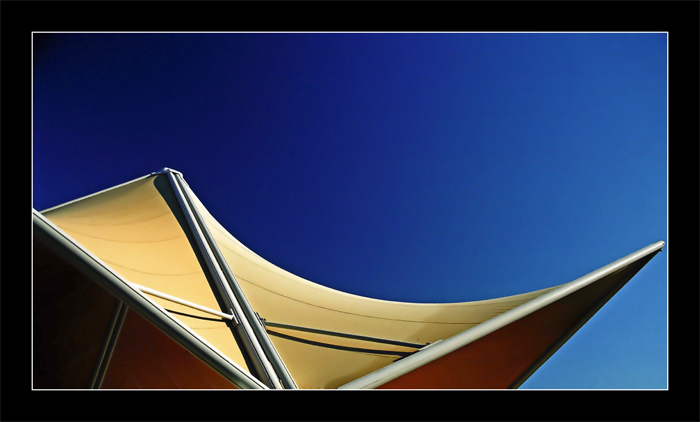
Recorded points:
(145, 357)
(72, 315)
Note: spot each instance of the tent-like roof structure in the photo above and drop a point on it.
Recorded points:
(138, 286)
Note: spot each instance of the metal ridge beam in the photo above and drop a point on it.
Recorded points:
(93, 268)
(250, 342)
(437, 350)
(252, 317)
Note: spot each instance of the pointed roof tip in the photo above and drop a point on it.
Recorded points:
(167, 170)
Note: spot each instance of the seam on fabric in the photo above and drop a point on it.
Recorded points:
(119, 241)
(69, 220)
(145, 272)
(475, 303)
(362, 315)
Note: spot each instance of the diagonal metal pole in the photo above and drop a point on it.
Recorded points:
(108, 347)
(253, 318)
(242, 325)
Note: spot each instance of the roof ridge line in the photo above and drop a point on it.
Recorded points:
(167, 170)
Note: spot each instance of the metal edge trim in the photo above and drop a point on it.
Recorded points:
(549, 352)
(408, 364)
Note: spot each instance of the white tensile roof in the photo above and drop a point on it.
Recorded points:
(139, 230)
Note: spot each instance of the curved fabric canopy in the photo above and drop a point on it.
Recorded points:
(139, 230)
(279, 296)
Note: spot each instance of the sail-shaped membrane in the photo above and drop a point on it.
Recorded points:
(327, 338)
(282, 297)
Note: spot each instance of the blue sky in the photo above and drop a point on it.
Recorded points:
(407, 166)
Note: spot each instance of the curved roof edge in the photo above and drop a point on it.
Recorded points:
(442, 348)
(93, 194)
(161, 171)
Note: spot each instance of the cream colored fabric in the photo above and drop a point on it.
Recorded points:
(279, 296)
(132, 229)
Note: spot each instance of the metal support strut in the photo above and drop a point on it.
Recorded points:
(259, 348)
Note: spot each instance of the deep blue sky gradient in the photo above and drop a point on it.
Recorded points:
(409, 167)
